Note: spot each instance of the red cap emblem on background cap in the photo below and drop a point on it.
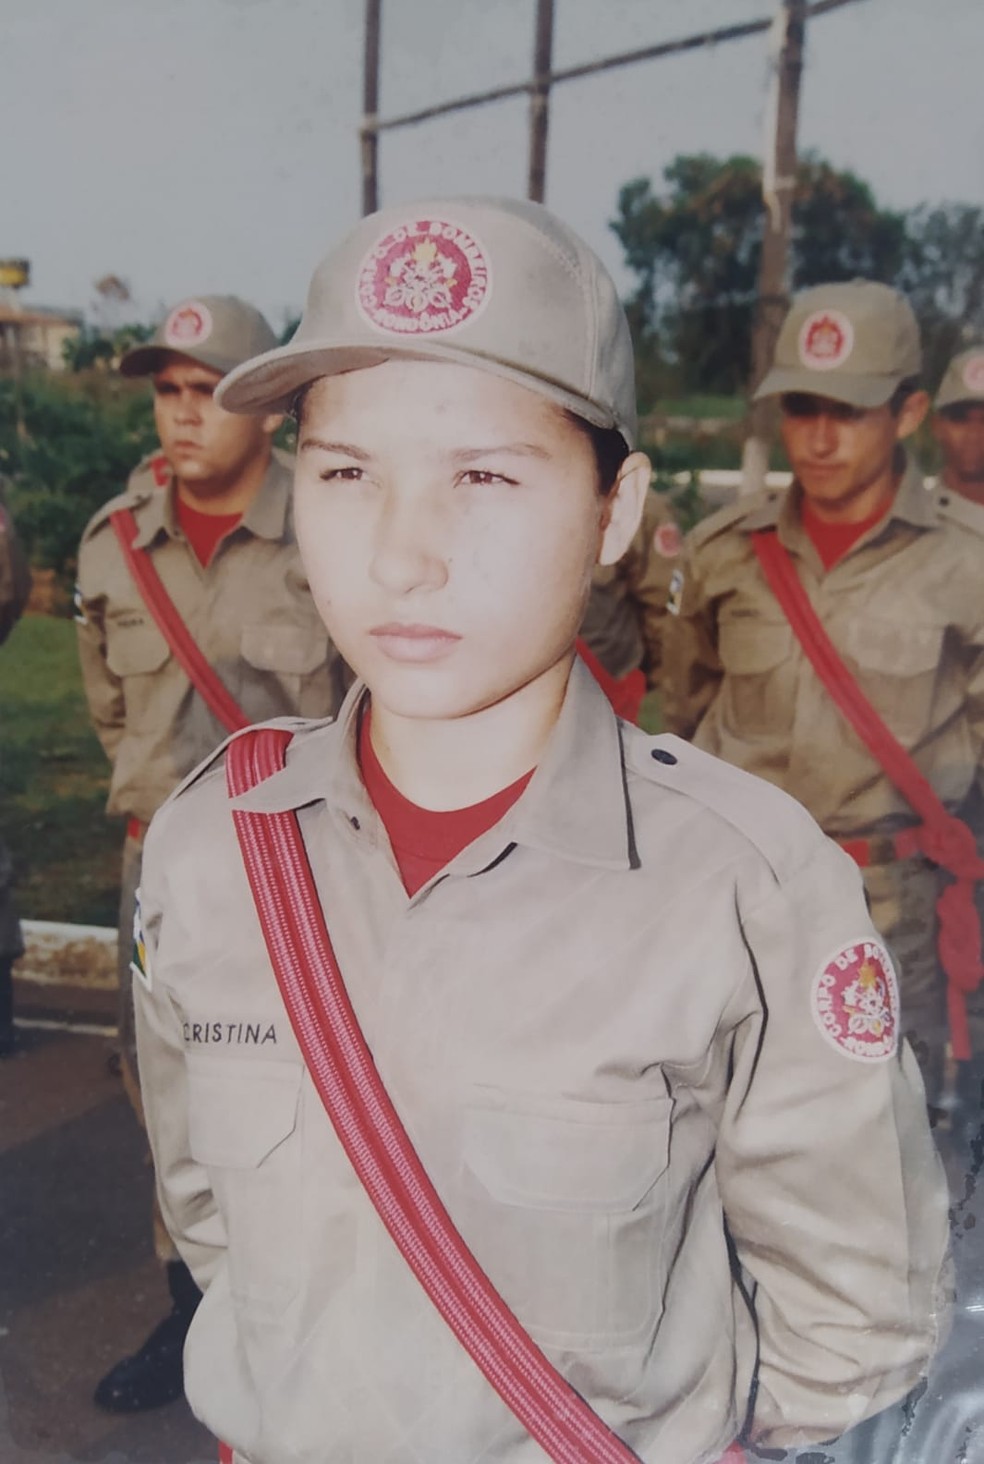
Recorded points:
(667, 541)
(424, 277)
(973, 375)
(856, 1001)
(188, 324)
(826, 339)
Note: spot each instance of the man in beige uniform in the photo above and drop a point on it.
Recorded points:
(15, 585)
(958, 424)
(899, 595)
(623, 622)
(216, 482)
(617, 1024)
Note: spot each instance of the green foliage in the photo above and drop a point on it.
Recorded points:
(694, 248)
(74, 447)
(53, 781)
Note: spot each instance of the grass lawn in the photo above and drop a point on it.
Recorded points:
(53, 781)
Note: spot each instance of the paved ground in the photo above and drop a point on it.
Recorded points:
(79, 1286)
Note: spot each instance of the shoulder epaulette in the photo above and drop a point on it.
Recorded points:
(129, 498)
(960, 510)
(778, 827)
(727, 517)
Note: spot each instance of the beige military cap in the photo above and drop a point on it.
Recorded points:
(964, 379)
(495, 283)
(220, 331)
(853, 342)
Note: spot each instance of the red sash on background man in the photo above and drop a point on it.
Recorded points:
(942, 838)
(184, 649)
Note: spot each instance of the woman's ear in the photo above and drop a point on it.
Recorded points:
(623, 507)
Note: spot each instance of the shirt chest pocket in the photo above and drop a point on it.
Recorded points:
(567, 1213)
(135, 650)
(243, 1127)
(293, 664)
(898, 665)
(760, 676)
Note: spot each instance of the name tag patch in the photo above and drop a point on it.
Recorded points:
(229, 1034)
(855, 1001)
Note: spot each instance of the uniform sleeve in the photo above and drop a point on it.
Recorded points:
(832, 1190)
(647, 570)
(15, 574)
(187, 1202)
(692, 670)
(103, 689)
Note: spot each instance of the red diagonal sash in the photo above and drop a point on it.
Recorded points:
(942, 837)
(373, 1136)
(624, 692)
(185, 650)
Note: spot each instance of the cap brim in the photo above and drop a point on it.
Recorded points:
(839, 386)
(146, 360)
(269, 383)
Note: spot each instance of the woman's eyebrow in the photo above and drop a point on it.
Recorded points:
(345, 449)
(512, 449)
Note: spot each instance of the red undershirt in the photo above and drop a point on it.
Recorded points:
(204, 530)
(832, 541)
(423, 840)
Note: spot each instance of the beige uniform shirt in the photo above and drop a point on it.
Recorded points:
(623, 622)
(572, 1022)
(250, 612)
(905, 610)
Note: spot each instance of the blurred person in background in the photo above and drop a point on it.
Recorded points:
(958, 424)
(15, 585)
(890, 576)
(194, 616)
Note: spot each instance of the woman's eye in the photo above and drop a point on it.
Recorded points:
(482, 477)
(345, 475)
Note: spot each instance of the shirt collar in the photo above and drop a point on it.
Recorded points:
(267, 517)
(575, 805)
(912, 504)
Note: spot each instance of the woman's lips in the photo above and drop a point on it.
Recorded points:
(414, 642)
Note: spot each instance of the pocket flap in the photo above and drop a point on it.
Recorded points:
(893, 647)
(238, 1112)
(749, 647)
(594, 1157)
(293, 650)
(134, 650)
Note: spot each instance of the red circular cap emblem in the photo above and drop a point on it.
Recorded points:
(426, 276)
(826, 339)
(856, 1001)
(188, 324)
(667, 541)
(973, 375)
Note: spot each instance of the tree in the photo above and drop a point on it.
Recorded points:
(943, 275)
(694, 249)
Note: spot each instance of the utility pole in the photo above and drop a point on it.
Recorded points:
(368, 133)
(540, 100)
(778, 185)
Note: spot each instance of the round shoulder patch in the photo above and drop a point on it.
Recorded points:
(188, 324)
(667, 541)
(427, 276)
(826, 339)
(855, 1001)
(973, 375)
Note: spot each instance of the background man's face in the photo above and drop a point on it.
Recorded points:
(837, 451)
(959, 430)
(204, 445)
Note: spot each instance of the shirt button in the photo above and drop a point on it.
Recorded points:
(354, 822)
(662, 756)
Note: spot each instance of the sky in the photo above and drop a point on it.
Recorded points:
(210, 146)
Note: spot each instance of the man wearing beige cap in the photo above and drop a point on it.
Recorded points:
(477, 1027)
(958, 424)
(194, 616)
(832, 637)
